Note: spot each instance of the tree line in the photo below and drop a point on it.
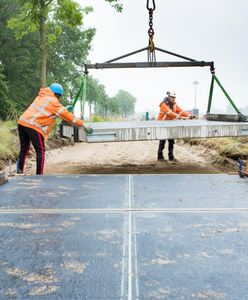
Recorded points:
(44, 41)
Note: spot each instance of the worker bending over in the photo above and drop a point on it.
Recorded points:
(35, 124)
(169, 110)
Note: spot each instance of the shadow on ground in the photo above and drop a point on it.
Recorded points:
(156, 168)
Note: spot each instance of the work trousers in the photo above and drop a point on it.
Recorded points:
(170, 147)
(27, 135)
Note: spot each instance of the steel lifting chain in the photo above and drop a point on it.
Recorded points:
(151, 47)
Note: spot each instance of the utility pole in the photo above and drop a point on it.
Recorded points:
(195, 83)
(195, 110)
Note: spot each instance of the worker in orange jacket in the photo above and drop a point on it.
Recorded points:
(35, 124)
(169, 110)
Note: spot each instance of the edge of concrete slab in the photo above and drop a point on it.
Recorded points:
(3, 177)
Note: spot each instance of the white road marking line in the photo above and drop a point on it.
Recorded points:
(121, 210)
(125, 234)
(130, 267)
(136, 260)
(123, 273)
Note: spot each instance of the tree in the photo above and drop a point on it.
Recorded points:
(122, 104)
(4, 101)
(115, 3)
(42, 14)
(19, 61)
(96, 94)
(114, 106)
(66, 58)
(92, 95)
(102, 101)
(38, 14)
(126, 102)
(66, 48)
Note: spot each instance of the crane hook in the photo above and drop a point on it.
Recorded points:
(151, 8)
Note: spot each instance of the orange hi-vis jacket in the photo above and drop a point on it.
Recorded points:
(168, 113)
(41, 114)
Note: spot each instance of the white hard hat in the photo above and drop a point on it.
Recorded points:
(171, 93)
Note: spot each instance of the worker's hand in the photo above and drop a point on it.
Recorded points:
(88, 130)
(69, 108)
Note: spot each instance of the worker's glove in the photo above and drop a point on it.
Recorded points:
(88, 130)
(69, 108)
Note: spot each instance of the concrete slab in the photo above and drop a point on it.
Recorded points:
(191, 256)
(157, 130)
(62, 256)
(69, 191)
(190, 191)
(129, 237)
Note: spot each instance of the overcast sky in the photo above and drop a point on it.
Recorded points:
(210, 30)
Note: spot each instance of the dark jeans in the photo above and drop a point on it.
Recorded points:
(170, 147)
(27, 135)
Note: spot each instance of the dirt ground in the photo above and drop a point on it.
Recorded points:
(129, 158)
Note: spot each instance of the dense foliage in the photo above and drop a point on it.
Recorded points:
(66, 47)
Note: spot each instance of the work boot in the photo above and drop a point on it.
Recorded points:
(19, 173)
(160, 157)
(170, 150)
(171, 157)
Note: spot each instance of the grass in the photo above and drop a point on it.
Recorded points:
(97, 118)
(8, 142)
(233, 148)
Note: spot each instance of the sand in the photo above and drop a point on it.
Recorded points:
(125, 157)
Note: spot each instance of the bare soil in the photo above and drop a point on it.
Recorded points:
(131, 158)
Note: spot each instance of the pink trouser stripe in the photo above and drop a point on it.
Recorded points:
(42, 153)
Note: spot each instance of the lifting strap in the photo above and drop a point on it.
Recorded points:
(242, 118)
(81, 96)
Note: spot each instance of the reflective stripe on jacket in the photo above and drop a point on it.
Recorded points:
(168, 113)
(41, 114)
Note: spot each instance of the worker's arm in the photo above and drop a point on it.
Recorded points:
(166, 112)
(183, 114)
(61, 112)
(174, 115)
